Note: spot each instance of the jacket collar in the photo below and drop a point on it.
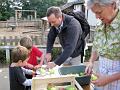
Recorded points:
(65, 22)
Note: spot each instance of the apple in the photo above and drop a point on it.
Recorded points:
(50, 86)
(70, 88)
(51, 71)
(93, 77)
(42, 71)
(81, 74)
(53, 88)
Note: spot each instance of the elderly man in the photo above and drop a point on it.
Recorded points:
(69, 31)
(106, 44)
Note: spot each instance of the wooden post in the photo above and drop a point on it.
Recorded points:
(11, 40)
(37, 40)
(35, 14)
(44, 24)
(16, 40)
(5, 41)
(16, 17)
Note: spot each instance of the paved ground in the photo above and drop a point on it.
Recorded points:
(4, 79)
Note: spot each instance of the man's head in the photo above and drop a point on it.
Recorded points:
(105, 10)
(19, 54)
(26, 42)
(54, 16)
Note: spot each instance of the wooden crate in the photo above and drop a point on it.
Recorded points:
(41, 83)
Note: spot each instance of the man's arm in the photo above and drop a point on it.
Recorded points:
(51, 38)
(50, 41)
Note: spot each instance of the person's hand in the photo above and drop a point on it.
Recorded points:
(37, 66)
(51, 65)
(48, 57)
(33, 73)
(89, 68)
(102, 80)
(30, 66)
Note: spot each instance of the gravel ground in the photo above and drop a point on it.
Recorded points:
(4, 79)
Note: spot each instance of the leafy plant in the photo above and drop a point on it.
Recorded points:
(41, 5)
(88, 53)
(56, 52)
(2, 56)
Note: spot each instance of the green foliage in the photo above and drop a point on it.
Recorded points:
(88, 53)
(55, 52)
(0, 15)
(5, 15)
(5, 10)
(2, 56)
(41, 5)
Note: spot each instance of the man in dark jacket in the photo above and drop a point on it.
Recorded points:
(69, 31)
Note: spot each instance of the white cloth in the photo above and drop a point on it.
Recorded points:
(109, 67)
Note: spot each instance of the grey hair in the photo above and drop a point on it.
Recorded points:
(54, 10)
(90, 3)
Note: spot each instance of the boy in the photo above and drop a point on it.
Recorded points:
(34, 52)
(17, 73)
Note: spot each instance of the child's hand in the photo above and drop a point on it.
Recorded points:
(37, 66)
(33, 73)
(30, 66)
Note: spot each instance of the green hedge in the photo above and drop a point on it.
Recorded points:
(2, 56)
(55, 52)
(88, 53)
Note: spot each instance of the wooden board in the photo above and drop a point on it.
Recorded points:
(40, 83)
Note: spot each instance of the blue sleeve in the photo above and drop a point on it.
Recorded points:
(51, 38)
